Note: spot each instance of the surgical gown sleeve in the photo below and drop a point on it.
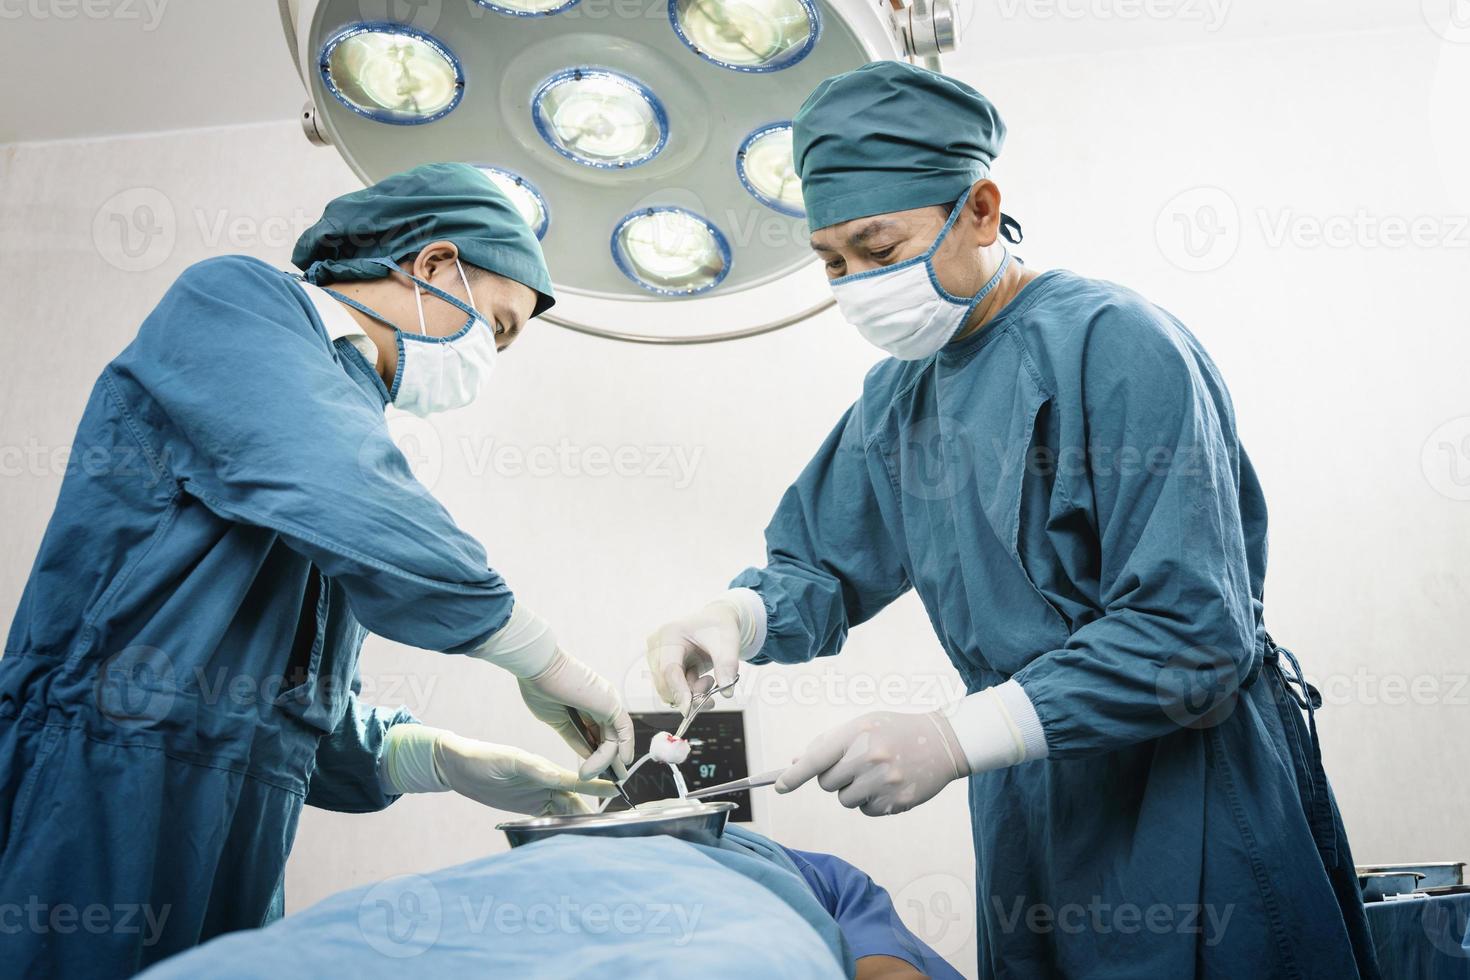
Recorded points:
(1177, 630)
(830, 561)
(346, 777)
(247, 409)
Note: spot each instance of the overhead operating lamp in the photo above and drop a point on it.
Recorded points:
(646, 142)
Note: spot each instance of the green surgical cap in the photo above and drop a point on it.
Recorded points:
(890, 136)
(396, 217)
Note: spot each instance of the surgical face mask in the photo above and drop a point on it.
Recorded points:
(436, 374)
(902, 308)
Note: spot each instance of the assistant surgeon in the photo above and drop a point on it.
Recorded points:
(1052, 463)
(182, 674)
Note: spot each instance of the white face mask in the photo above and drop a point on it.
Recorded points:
(437, 374)
(902, 308)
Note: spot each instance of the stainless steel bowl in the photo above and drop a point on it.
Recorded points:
(691, 820)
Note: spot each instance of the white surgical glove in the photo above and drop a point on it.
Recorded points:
(551, 682)
(887, 762)
(420, 759)
(716, 638)
(569, 683)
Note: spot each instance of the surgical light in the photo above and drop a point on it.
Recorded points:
(650, 154)
(747, 35)
(392, 73)
(765, 166)
(600, 118)
(524, 195)
(527, 8)
(671, 251)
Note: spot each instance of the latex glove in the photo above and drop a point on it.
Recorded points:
(887, 762)
(551, 682)
(716, 638)
(568, 682)
(882, 762)
(420, 759)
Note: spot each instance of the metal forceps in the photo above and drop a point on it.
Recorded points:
(701, 701)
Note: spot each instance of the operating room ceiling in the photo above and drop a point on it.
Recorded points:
(135, 66)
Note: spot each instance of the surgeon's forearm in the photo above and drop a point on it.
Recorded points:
(997, 727)
(525, 645)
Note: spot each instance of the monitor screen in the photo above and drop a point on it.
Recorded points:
(716, 755)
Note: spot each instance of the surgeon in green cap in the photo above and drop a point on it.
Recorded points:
(182, 674)
(1052, 463)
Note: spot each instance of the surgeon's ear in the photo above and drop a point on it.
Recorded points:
(982, 209)
(434, 259)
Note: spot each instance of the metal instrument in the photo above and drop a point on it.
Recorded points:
(736, 785)
(593, 737)
(691, 820)
(701, 701)
(1381, 881)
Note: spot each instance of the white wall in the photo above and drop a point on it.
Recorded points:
(1344, 361)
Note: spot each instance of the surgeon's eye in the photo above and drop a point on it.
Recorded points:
(881, 254)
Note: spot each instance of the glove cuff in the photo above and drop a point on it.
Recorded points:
(997, 727)
(750, 618)
(408, 764)
(525, 645)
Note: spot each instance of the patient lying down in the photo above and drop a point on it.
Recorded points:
(599, 907)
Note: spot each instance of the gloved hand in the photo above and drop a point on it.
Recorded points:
(420, 759)
(882, 762)
(681, 652)
(567, 682)
(551, 682)
(887, 762)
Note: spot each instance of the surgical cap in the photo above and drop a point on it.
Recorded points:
(890, 136)
(396, 217)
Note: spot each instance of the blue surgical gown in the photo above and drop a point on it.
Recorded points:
(181, 676)
(1067, 493)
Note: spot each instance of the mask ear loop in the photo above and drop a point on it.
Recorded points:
(467, 290)
(418, 298)
(421, 287)
(494, 330)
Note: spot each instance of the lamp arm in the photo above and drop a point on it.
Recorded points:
(709, 338)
